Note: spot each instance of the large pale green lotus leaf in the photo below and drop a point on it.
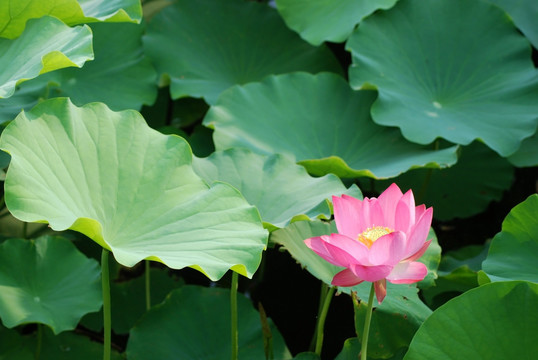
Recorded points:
(327, 20)
(495, 321)
(15, 13)
(320, 121)
(121, 76)
(278, 187)
(203, 316)
(47, 44)
(401, 299)
(47, 281)
(524, 14)
(129, 188)
(527, 154)
(512, 253)
(206, 46)
(437, 83)
(479, 177)
(111, 10)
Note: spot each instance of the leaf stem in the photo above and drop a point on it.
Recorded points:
(366, 331)
(321, 320)
(233, 308)
(148, 285)
(267, 335)
(107, 322)
(25, 230)
(39, 341)
(322, 293)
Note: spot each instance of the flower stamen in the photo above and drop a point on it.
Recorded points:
(370, 235)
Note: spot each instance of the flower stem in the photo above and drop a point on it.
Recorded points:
(107, 322)
(233, 308)
(321, 320)
(148, 285)
(366, 331)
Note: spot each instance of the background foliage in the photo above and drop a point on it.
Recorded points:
(211, 135)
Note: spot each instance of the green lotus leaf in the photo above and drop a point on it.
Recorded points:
(120, 76)
(470, 257)
(487, 176)
(278, 187)
(257, 116)
(129, 188)
(307, 356)
(401, 299)
(524, 14)
(326, 20)
(15, 13)
(129, 302)
(239, 42)
(512, 253)
(527, 154)
(457, 274)
(389, 335)
(68, 346)
(449, 286)
(12, 346)
(436, 83)
(494, 321)
(204, 315)
(47, 44)
(431, 258)
(27, 94)
(352, 348)
(55, 284)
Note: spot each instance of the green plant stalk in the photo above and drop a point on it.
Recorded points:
(25, 230)
(366, 331)
(355, 301)
(39, 341)
(267, 335)
(107, 321)
(233, 308)
(321, 320)
(323, 292)
(148, 285)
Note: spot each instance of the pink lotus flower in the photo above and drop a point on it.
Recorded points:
(378, 239)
